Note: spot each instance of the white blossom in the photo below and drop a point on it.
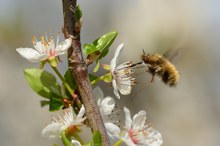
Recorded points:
(106, 104)
(75, 142)
(135, 132)
(68, 118)
(44, 49)
(122, 75)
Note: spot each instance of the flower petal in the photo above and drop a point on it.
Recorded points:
(39, 46)
(128, 121)
(115, 87)
(63, 46)
(153, 138)
(107, 105)
(113, 131)
(52, 130)
(124, 88)
(114, 60)
(127, 139)
(75, 142)
(139, 120)
(81, 113)
(98, 93)
(31, 55)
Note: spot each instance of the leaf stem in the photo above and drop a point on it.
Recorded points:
(95, 81)
(78, 138)
(119, 142)
(65, 140)
(64, 82)
(99, 79)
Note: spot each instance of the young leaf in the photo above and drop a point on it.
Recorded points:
(105, 41)
(56, 100)
(96, 67)
(69, 79)
(93, 56)
(44, 103)
(106, 67)
(97, 138)
(89, 48)
(55, 104)
(92, 77)
(99, 48)
(78, 13)
(41, 81)
(103, 54)
(88, 144)
(107, 78)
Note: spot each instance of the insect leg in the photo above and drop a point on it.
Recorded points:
(144, 52)
(152, 79)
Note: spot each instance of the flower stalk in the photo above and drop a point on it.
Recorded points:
(65, 140)
(64, 82)
(118, 143)
(78, 138)
(100, 78)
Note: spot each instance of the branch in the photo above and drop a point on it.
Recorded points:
(79, 69)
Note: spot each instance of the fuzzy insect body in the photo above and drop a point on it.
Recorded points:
(159, 65)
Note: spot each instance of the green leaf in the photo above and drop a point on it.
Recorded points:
(100, 45)
(106, 67)
(89, 48)
(105, 41)
(42, 63)
(42, 82)
(55, 93)
(78, 13)
(55, 104)
(69, 79)
(88, 144)
(92, 77)
(97, 138)
(104, 53)
(44, 103)
(107, 78)
(97, 66)
(93, 56)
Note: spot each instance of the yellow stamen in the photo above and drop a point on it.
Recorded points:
(34, 40)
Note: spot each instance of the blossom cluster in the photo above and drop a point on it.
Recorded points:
(135, 131)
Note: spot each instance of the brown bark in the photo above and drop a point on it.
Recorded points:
(79, 70)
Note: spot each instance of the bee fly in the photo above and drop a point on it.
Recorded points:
(159, 65)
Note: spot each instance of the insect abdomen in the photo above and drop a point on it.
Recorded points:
(170, 75)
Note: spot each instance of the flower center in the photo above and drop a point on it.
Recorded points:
(134, 135)
(72, 129)
(52, 52)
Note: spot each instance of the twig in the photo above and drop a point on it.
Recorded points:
(79, 70)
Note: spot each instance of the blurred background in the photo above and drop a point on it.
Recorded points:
(185, 115)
